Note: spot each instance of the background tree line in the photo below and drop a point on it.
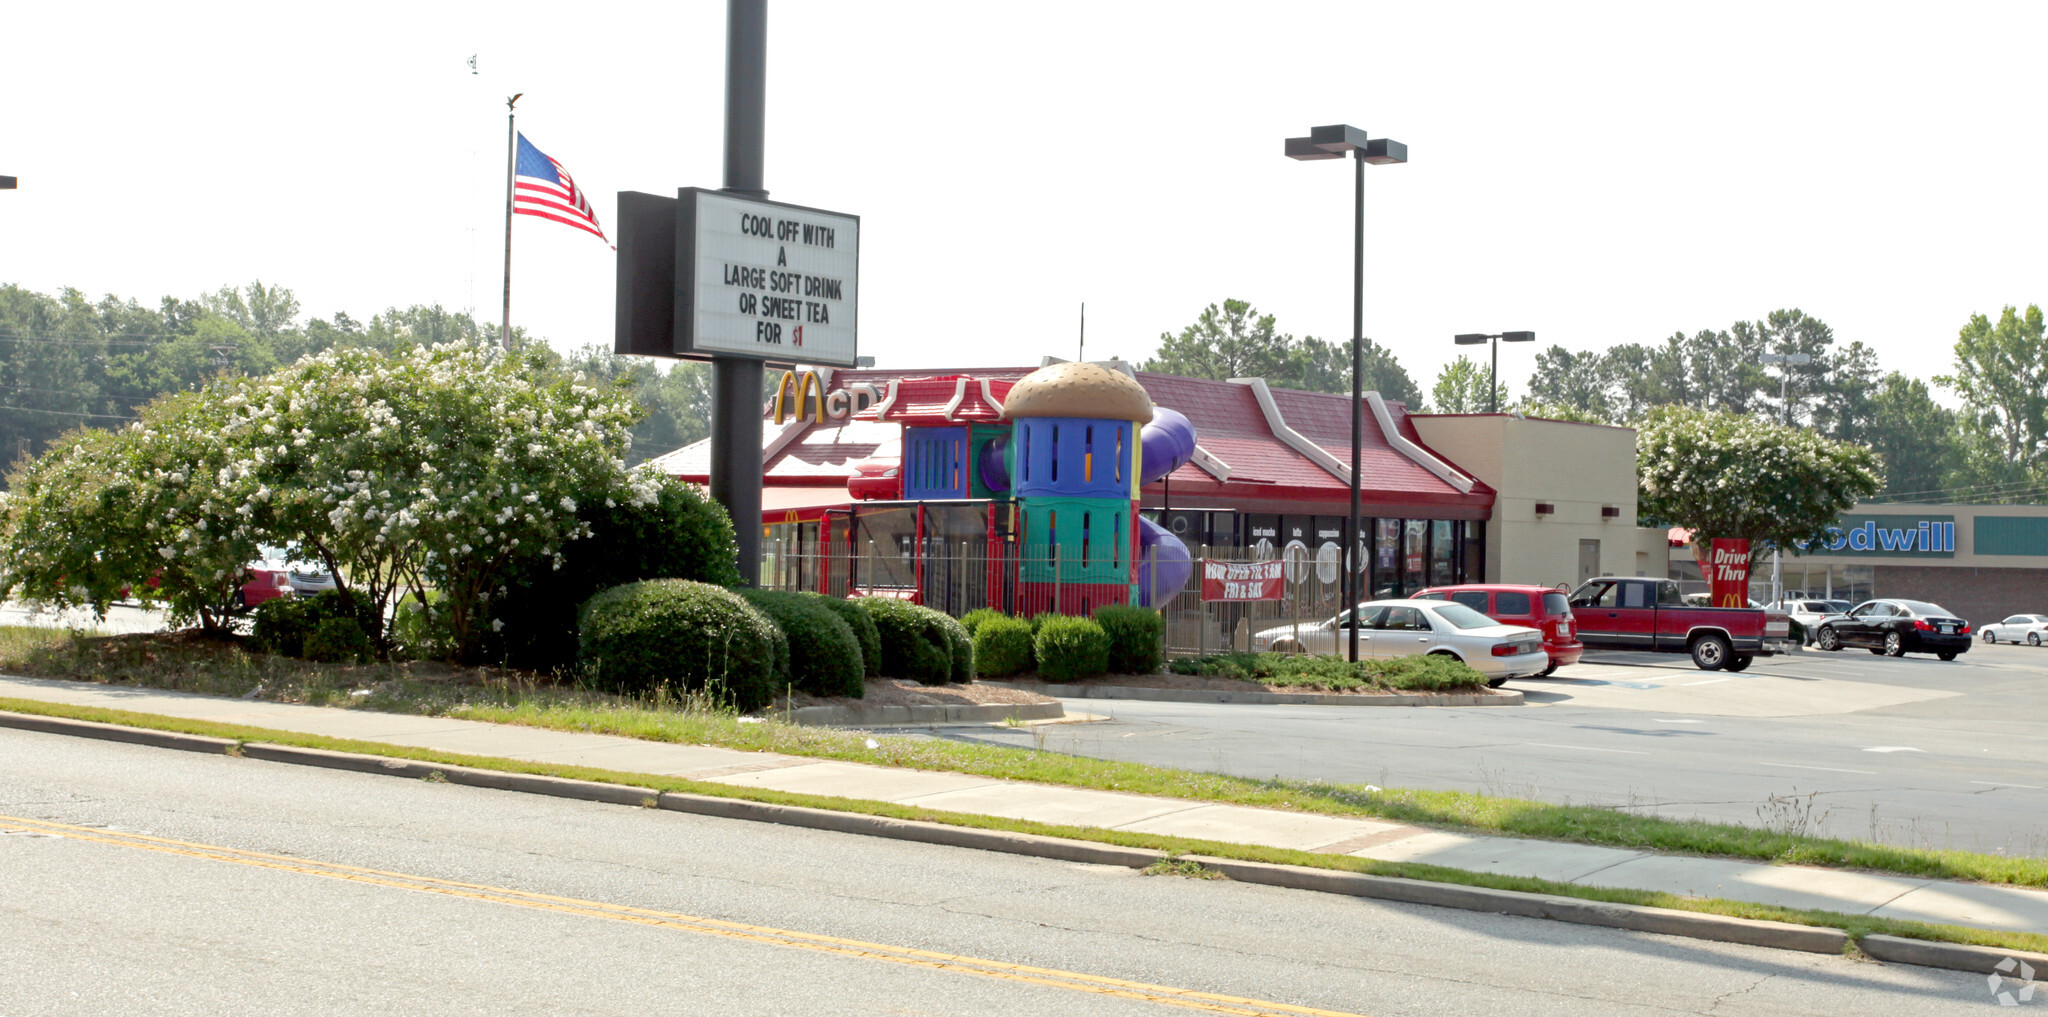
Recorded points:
(1995, 449)
(66, 360)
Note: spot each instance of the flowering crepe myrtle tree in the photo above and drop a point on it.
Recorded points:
(1739, 476)
(146, 509)
(432, 467)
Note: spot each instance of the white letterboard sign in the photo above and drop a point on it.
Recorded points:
(766, 280)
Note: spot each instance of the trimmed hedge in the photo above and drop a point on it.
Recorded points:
(339, 640)
(1002, 646)
(283, 624)
(971, 621)
(1137, 638)
(863, 627)
(640, 635)
(959, 646)
(915, 644)
(824, 655)
(1070, 648)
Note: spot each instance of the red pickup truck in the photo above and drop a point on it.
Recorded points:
(1651, 614)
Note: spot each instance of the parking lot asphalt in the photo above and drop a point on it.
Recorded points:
(1911, 751)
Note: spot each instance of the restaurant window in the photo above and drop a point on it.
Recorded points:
(1443, 549)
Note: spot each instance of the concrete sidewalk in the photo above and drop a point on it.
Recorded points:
(1968, 904)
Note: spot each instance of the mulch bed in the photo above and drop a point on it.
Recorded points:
(904, 692)
(1213, 683)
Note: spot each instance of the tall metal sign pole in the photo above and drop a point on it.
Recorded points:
(736, 381)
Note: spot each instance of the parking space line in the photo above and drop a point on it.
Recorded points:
(1587, 748)
(2000, 783)
(1830, 769)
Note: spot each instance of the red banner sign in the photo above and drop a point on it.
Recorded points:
(1728, 572)
(1261, 580)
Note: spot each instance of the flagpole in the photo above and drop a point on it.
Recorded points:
(511, 171)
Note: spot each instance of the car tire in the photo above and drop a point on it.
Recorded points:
(1827, 639)
(1947, 654)
(1894, 645)
(1711, 653)
(1990, 636)
(1741, 662)
(2033, 639)
(1548, 671)
(1494, 683)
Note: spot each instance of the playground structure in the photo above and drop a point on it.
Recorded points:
(1036, 480)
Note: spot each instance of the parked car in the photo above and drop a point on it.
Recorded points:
(274, 575)
(2020, 628)
(308, 579)
(1403, 628)
(1542, 608)
(1808, 613)
(1651, 614)
(880, 475)
(1895, 628)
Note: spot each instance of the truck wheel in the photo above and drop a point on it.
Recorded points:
(1827, 640)
(1894, 646)
(1711, 653)
(1741, 661)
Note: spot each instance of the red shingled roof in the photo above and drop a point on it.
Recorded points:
(1228, 424)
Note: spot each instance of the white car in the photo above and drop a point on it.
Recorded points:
(308, 578)
(2031, 629)
(1401, 628)
(1809, 612)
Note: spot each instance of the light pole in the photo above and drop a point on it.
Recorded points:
(1785, 362)
(1493, 374)
(1331, 142)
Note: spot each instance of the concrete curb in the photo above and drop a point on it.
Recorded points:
(116, 733)
(897, 716)
(1497, 698)
(1631, 917)
(1634, 917)
(1957, 956)
(530, 783)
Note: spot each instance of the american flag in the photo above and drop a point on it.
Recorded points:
(542, 187)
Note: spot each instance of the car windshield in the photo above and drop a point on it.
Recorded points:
(1463, 617)
(1923, 608)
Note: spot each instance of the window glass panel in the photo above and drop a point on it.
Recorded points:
(1635, 594)
(1475, 599)
(1509, 604)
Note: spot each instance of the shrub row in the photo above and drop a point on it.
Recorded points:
(1425, 672)
(1118, 638)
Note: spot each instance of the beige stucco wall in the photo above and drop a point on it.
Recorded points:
(1577, 468)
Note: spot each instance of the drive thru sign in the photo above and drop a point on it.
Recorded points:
(1232, 582)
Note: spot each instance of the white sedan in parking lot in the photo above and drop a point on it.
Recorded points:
(1402, 628)
(2031, 629)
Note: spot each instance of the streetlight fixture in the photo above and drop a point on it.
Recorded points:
(1332, 142)
(1785, 362)
(1493, 375)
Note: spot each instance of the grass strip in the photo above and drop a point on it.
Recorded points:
(1856, 926)
(214, 668)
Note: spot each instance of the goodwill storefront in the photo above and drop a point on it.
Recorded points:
(1983, 562)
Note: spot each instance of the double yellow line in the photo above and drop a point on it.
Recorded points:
(1072, 981)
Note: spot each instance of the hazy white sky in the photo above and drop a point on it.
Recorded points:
(1596, 173)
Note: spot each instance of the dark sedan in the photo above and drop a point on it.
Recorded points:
(1896, 628)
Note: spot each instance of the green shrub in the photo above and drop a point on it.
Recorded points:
(971, 621)
(420, 632)
(1038, 621)
(1137, 638)
(338, 640)
(959, 646)
(641, 635)
(914, 643)
(1068, 648)
(863, 627)
(1002, 646)
(1429, 672)
(283, 624)
(1797, 634)
(824, 655)
(683, 535)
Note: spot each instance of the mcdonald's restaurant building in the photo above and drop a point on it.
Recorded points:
(1445, 498)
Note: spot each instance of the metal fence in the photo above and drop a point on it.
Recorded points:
(959, 575)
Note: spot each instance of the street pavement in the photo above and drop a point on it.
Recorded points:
(149, 881)
(1908, 751)
(2001, 907)
(121, 619)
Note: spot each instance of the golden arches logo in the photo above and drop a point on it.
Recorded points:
(797, 385)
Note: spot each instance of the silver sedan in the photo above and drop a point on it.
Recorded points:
(1401, 628)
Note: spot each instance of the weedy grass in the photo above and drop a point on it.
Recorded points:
(521, 698)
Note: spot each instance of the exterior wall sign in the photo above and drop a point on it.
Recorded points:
(766, 280)
(835, 406)
(1728, 572)
(1890, 536)
(1230, 582)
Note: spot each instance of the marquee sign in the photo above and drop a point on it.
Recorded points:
(714, 274)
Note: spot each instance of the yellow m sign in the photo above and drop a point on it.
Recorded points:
(790, 392)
